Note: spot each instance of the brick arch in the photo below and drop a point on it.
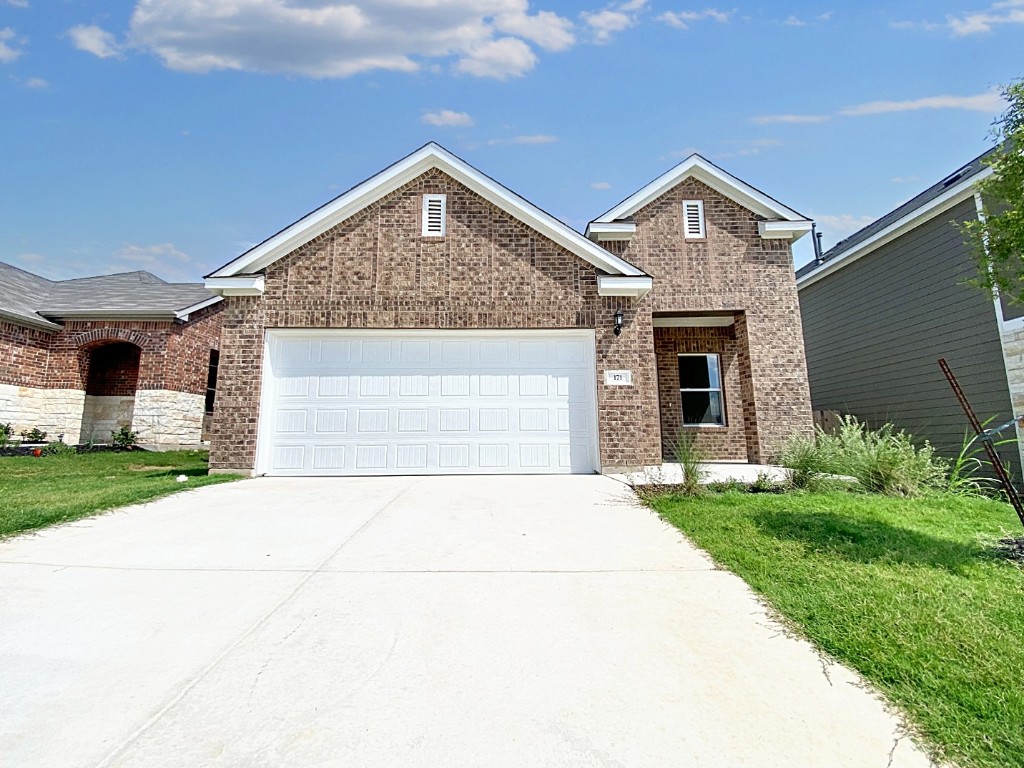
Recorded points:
(87, 340)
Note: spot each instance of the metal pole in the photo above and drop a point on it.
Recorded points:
(993, 457)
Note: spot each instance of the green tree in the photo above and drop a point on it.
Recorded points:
(997, 237)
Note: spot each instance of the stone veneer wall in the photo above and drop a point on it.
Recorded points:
(103, 414)
(375, 270)
(55, 411)
(167, 417)
(1013, 358)
(733, 268)
(728, 443)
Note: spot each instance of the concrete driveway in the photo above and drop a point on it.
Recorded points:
(441, 622)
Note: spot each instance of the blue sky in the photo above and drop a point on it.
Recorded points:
(170, 135)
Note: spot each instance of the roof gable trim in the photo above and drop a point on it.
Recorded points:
(718, 179)
(426, 158)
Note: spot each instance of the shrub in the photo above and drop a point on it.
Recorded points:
(34, 435)
(124, 438)
(883, 460)
(6, 433)
(692, 460)
(765, 483)
(59, 448)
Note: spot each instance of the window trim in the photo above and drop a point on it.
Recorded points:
(720, 389)
(427, 200)
(702, 233)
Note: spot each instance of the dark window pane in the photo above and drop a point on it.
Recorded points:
(703, 408)
(693, 372)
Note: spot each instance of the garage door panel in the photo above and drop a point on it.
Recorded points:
(455, 404)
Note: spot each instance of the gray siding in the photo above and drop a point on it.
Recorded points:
(875, 329)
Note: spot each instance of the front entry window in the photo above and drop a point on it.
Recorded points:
(700, 387)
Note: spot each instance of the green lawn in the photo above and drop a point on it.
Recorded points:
(36, 492)
(907, 592)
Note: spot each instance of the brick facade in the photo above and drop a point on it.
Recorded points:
(732, 269)
(375, 271)
(92, 357)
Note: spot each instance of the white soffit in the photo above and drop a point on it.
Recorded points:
(617, 285)
(242, 285)
(707, 172)
(430, 156)
(695, 321)
(901, 226)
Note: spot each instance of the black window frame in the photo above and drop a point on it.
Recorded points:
(720, 389)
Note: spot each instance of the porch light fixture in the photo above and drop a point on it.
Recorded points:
(618, 321)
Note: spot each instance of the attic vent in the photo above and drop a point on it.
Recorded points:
(693, 219)
(433, 215)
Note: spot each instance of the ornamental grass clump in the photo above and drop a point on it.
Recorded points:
(883, 460)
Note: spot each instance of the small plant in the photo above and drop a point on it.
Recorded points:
(58, 448)
(6, 433)
(124, 439)
(806, 460)
(692, 460)
(34, 435)
(765, 483)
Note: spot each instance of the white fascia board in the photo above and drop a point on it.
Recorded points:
(183, 314)
(242, 285)
(783, 230)
(695, 321)
(933, 207)
(617, 285)
(387, 181)
(614, 230)
(716, 178)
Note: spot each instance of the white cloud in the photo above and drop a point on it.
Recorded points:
(1010, 12)
(36, 82)
(501, 59)
(18, 3)
(991, 102)
(446, 117)
(837, 226)
(537, 138)
(600, 185)
(8, 38)
(606, 23)
(904, 179)
(334, 38)
(30, 258)
(772, 119)
(795, 21)
(94, 40)
(163, 259)
(683, 19)
(548, 30)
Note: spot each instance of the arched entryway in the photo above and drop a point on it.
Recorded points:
(111, 381)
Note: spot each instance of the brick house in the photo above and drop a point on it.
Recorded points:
(82, 358)
(429, 320)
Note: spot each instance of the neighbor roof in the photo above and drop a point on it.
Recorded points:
(953, 189)
(429, 156)
(33, 300)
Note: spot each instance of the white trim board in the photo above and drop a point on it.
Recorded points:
(427, 157)
(718, 179)
(695, 321)
(901, 226)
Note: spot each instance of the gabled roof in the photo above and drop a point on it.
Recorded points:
(29, 299)
(942, 195)
(428, 157)
(719, 180)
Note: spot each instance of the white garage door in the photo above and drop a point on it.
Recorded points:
(430, 402)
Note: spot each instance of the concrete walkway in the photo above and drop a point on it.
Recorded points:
(434, 622)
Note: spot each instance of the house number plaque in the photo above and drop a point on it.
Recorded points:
(618, 378)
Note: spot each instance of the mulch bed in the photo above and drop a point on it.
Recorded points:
(26, 450)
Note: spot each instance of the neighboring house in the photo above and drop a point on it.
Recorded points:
(82, 358)
(881, 307)
(430, 320)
